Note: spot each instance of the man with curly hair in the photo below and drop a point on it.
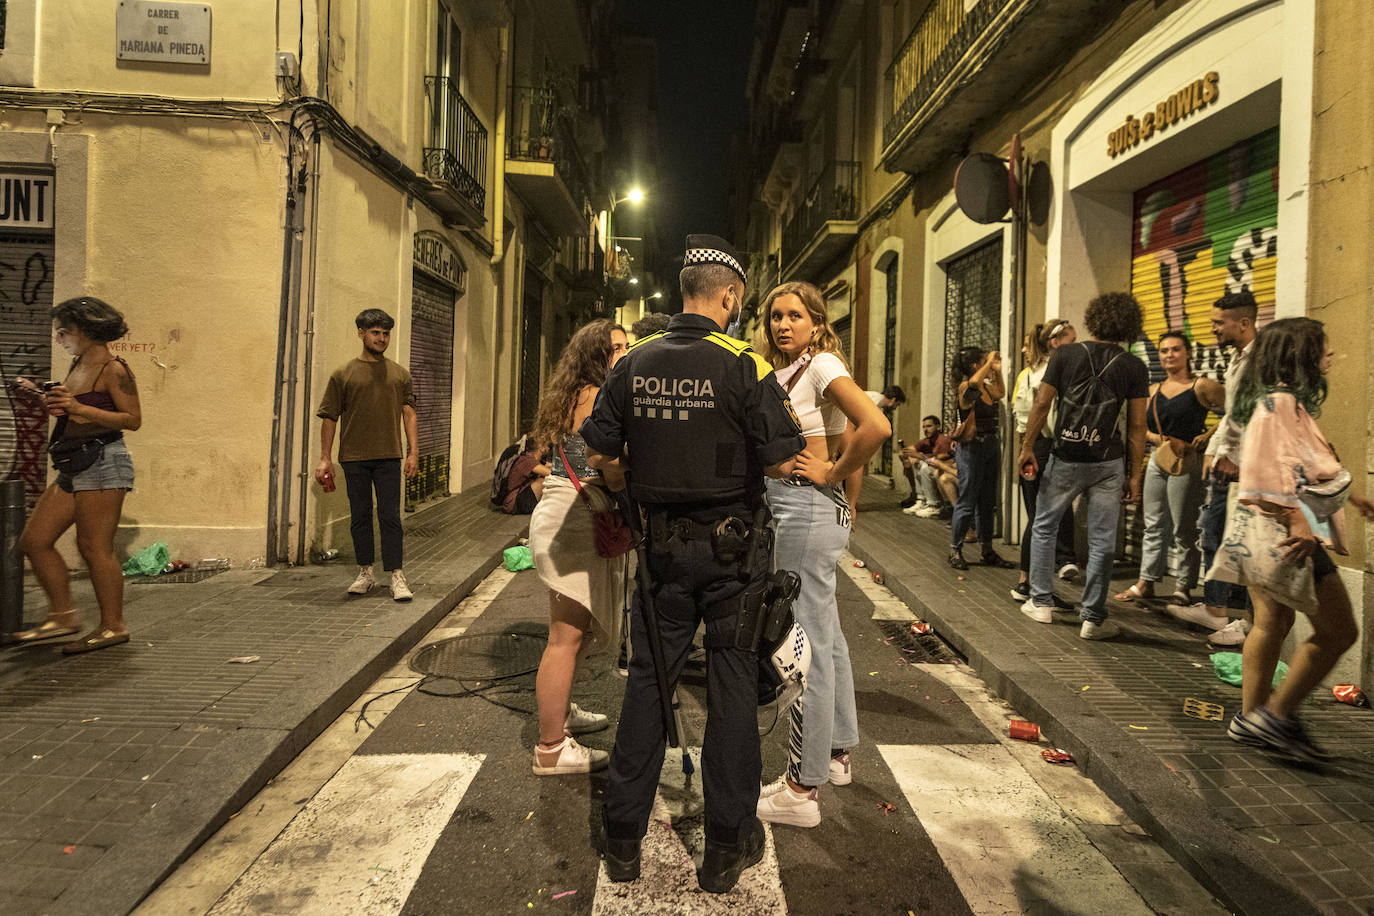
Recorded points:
(1092, 380)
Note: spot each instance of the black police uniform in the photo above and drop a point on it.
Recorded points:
(702, 416)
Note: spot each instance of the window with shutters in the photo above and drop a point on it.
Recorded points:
(973, 310)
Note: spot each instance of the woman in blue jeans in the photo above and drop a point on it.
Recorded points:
(981, 388)
(812, 519)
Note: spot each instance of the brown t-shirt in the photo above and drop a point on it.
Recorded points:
(369, 397)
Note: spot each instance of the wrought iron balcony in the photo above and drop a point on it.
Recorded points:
(457, 151)
(825, 222)
(544, 163)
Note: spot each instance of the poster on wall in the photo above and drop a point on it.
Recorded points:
(1204, 231)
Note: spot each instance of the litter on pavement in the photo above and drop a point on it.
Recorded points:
(517, 558)
(1056, 755)
(1023, 730)
(858, 564)
(244, 659)
(1227, 667)
(1349, 693)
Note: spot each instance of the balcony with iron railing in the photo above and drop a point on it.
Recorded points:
(957, 68)
(456, 157)
(543, 162)
(825, 223)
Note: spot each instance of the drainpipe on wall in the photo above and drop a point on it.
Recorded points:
(289, 264)
(498, 232)
(293, 363)
(305, 399)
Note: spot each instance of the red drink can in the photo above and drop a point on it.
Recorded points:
(1023, 730)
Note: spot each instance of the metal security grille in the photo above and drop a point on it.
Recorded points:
(531, 334)
(973, 309)
(889, 353)
(431, 370)
(844, 330)
(26, 272)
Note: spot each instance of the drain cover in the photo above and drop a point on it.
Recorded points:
(925, 648)
(480, 656)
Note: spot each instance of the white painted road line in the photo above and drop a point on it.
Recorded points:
(1010, 847)
(360, 844)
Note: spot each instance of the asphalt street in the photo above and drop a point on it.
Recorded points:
(430, 806)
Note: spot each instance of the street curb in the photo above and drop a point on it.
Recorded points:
(1218, 855)
(248, 760)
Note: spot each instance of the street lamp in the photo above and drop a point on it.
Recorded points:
(634, 281)
(658, 295)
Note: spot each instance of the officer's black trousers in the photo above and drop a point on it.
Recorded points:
(690, 583)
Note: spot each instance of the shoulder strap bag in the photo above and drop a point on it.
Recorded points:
(612, 533)
(1173, 455)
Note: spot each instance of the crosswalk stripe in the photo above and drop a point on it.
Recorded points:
(668, 880)
(1009, 846)
(361, 842)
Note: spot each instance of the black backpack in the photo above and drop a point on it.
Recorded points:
(501, 484)
(1089, 410)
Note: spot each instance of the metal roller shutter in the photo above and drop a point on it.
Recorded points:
(973, 310)
(26, 271)
(431, 370)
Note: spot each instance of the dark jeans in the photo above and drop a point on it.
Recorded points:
(383, 475)
(1212, 525)
(979, 461)
(689, 584)
(1030, 492)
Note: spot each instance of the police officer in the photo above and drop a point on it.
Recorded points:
(703, 419)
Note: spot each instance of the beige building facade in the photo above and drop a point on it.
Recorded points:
(1179, 150)
(242, 183)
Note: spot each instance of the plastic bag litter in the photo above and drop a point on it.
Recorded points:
(517, 558)
(149, 561)
(1227, 667)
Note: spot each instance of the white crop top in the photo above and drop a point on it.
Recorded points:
(818, 416)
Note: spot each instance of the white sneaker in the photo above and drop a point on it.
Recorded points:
(1104, 630)
(778, 804)
(1037, 613)
(928, 512)
(1068, 572)
(399, 590)
(1231, 635)
(581, 722)
(913, 510)
(841, 770)
(363, 584)
(1196, 613)
(568, 757)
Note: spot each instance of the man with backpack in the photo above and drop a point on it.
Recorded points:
(1093, 381)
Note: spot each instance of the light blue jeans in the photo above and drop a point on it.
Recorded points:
(1061, 484)
(812, 531)
(1171, 510)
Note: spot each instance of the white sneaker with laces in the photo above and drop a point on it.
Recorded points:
(778, 804)
(1068, 572)
(841, 770)
(1104, 630)
(568, 757)
(400, 591)
(363, 584)
(928, 512)
(1196, 613)
(581, 722)
(1037, 613)
(1231, 635)
(912, 510)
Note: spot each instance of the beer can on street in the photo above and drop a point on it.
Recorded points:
(1025, 731)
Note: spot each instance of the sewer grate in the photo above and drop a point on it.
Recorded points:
(917, 648)
(176, 578)
(480, 656)
(422, 531)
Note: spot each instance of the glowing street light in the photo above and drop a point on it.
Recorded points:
(634, 281)
(636, 196)
(658, 295)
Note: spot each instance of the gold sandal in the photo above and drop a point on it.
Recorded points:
(100, 639)
(50, 628)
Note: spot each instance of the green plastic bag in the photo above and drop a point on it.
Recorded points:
(517, 558)
(1227, 667)
(149, 561)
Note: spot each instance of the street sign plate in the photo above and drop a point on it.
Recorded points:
(167, 33)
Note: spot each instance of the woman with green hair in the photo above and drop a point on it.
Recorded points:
(1292, 486)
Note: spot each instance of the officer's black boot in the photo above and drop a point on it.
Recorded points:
(622, 856)
(723, 862)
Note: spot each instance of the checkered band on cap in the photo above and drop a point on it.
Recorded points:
(713, 256)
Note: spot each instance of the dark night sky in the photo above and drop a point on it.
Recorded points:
(703, 59)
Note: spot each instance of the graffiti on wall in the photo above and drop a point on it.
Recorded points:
(1206, 230)
(26, 263)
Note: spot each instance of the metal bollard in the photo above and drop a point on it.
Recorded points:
(12, 513)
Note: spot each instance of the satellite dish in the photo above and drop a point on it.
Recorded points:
(1039, 191)
(980, 187)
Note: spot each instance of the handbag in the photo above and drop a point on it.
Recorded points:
(609, 528)
(1172, 455)
(72, 456)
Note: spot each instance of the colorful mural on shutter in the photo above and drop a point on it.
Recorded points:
(1206, 230)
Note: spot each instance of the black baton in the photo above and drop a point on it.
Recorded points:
(646, 606)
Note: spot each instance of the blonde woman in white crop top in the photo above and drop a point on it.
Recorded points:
(812, 519)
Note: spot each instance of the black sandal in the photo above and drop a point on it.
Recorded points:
(957, 561)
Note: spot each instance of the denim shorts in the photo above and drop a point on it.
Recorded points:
(114, 471)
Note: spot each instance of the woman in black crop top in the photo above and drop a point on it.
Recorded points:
(981, 390)
(91, 497)
(1177, 411)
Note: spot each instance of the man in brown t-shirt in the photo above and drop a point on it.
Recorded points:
(371, 397)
